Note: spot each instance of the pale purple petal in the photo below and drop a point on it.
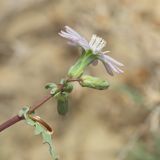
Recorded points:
(71, 43)
(115, 68)
(74, 38)
(71, 31)
(108, 68)
(110, 64)
(108, 58)
(119, 70)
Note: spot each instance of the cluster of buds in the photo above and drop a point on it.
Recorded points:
(91, 54)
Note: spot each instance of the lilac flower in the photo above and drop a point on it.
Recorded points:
(96, 44)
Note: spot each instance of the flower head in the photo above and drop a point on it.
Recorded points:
(96, 44)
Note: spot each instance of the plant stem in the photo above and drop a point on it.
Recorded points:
(35, 106)
(40, 102)
(16, 118)
(74, 80)
(10, 122)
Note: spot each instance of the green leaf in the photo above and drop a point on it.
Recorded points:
(39, 130)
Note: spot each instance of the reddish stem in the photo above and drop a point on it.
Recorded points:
(35, 106)
(10, 122)
(16, 118)
(74, 80)
(39, 103)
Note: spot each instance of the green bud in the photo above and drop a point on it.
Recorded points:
(63, 81)
(68, 88)
(62, 103)
(53, 87)
(76, 71)
(50, 85)
(54, 91)
(93, 82)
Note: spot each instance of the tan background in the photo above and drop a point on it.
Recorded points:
(99, 123)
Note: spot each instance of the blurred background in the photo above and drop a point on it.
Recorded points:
(121, 123)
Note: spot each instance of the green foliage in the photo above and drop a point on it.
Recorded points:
(40, 130)
(61, 94)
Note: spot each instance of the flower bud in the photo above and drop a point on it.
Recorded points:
(62, 103)
(53, 87)
(76, 71)
(50, 85)
(93, 82)
(68, 87)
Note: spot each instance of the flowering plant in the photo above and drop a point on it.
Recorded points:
(92, 49)
(91, 54)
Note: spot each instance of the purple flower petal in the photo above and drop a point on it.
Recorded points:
(108, 68)
(74, 37)
(108, 58)
(111, 64)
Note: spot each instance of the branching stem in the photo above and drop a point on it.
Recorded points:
(16, 118)
(35, 106)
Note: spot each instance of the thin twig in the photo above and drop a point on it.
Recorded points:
(39, 103)
(17, 118)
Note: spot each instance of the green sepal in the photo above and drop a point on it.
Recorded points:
(62, 103)
(93, 82)
(76, 71)
(39, 130)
